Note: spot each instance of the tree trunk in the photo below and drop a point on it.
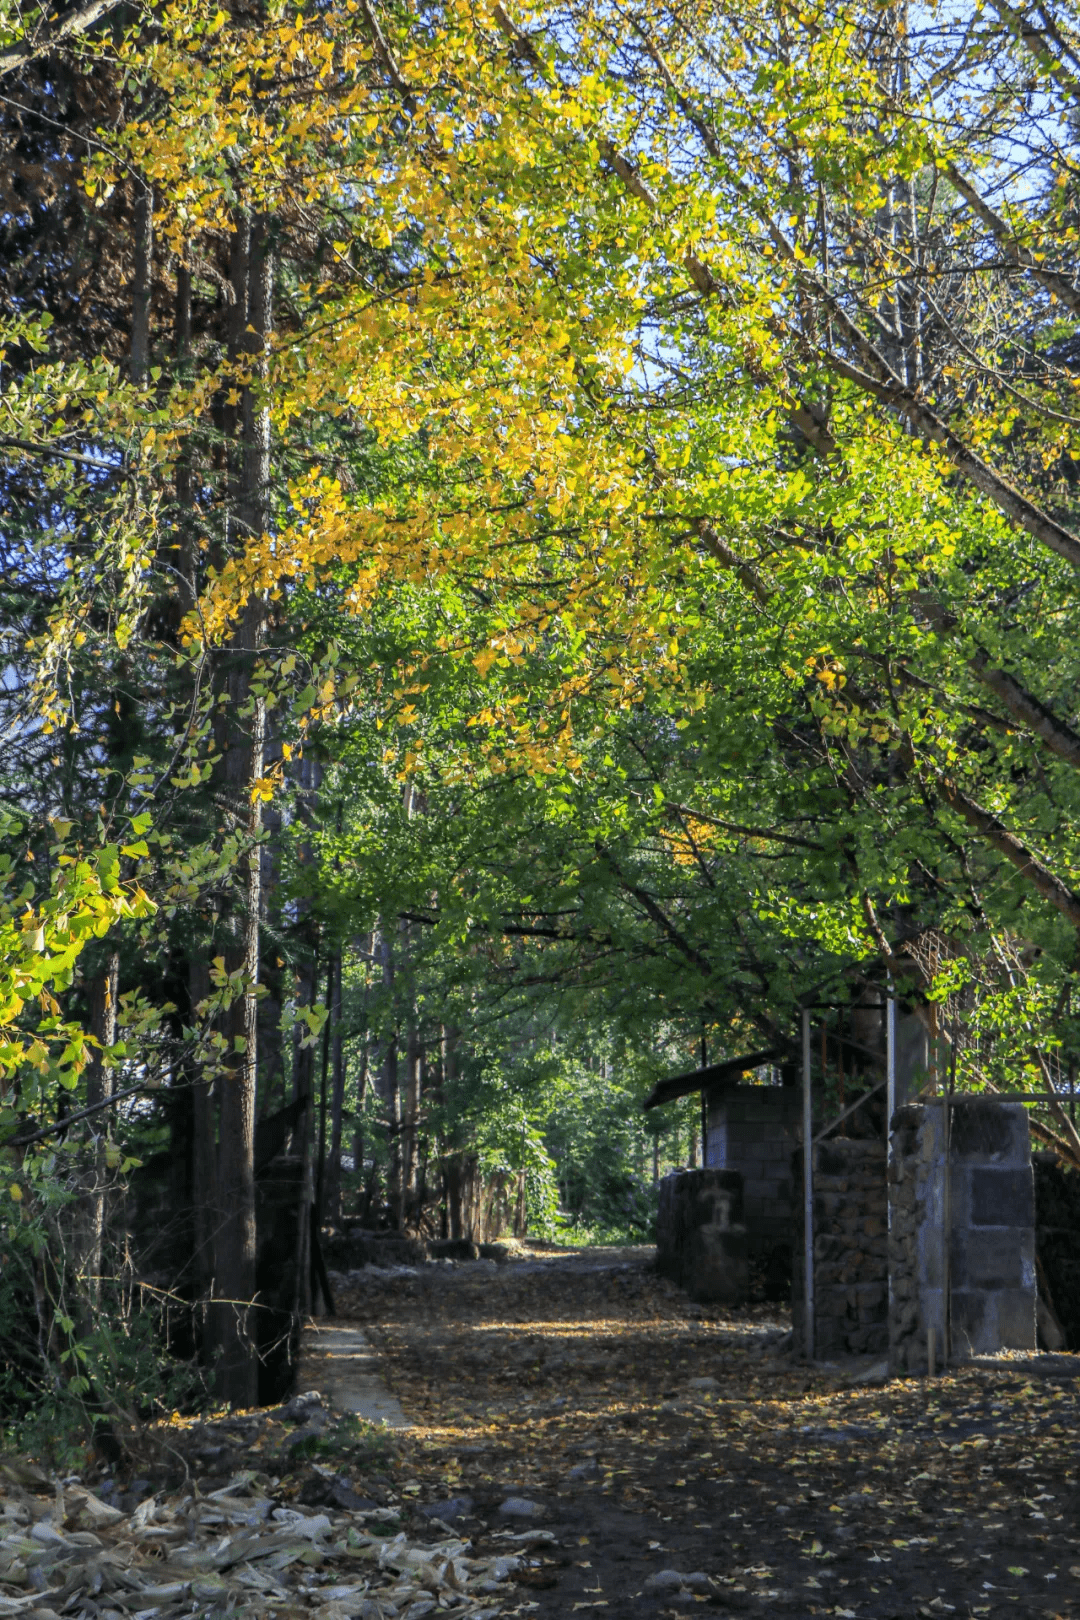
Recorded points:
(274, 1093)
(203, 1158)
(411, 1121)
(303, 1091)
(235, 1250)
(359, 1143)
(142, 283)
(332, 1199)
(324, 1078)
(396, 1189)
(391, 1090)
(302, 1289)
(452, 1174)
(99, 1086)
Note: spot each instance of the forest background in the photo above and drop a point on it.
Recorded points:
(535, 545)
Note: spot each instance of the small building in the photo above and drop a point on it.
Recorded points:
(749, 1131)
(922, 1241)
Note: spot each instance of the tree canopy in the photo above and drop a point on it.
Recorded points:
(538, 541)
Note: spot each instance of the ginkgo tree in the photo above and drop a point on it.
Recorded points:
(844, 186)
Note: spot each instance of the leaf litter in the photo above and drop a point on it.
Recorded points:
(668, 1454)
(242, 1549)
(684, 1456)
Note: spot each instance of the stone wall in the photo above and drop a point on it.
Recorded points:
(700, 1237)
(851, 1280)
(911, 1185)
(989, 1205)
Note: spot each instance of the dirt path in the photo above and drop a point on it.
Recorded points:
(575, 1384)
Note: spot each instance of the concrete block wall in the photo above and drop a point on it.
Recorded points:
(1057, 1238)
(991, 1243)
(754, 1130)
(993, 1228)
(700, 1236)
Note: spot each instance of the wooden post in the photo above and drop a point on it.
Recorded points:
(808, 1189)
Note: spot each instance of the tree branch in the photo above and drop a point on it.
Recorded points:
(998, 836)
(11, 443)
(1056, 283)
(18, 1140)
(882, 382)
(657, 914)
(74, 23)
(735, 827)
(1058, 736)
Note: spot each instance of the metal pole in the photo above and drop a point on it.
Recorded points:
(890, 1064)
(808, 1188)
(890, 1109)
(946, 1203)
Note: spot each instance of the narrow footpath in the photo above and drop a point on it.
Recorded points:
(662, 1454)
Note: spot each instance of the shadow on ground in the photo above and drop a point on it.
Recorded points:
(654, 1436)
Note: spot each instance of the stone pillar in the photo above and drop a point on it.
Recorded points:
(907, 1197)
(754, 1129)
(993, 1228)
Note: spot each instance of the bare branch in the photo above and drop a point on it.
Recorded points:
(1051, 279)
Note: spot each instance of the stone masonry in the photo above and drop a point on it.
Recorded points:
(882, 1265)
(851, 1279)
(1057, 1235)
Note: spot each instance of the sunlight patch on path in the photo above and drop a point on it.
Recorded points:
(338, 1360)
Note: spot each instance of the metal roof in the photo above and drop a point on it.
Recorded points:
(714, 1074)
